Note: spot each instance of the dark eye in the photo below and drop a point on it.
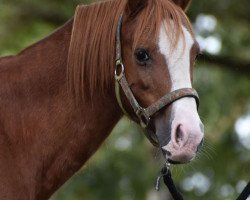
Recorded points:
(142, 56)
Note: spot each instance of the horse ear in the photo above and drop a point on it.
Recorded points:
(182, 3)
(135, 6)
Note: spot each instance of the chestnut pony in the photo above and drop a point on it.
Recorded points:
(57, 97)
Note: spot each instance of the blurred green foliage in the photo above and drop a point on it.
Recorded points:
(126, 165)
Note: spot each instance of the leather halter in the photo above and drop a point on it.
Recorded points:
(144, 114)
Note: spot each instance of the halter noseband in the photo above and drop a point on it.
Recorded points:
(143, 114)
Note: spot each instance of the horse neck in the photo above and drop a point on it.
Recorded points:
(49, 137)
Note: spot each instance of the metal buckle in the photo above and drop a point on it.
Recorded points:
(143, 117)
(119, 70)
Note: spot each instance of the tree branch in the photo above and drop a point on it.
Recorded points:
(227, 62)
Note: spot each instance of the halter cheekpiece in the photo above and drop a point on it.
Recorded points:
(144, 114)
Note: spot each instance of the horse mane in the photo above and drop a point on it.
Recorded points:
(91, 58)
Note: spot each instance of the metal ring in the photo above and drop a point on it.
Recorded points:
(144, 119)
(120, 75)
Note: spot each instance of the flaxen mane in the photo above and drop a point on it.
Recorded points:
(91, 57)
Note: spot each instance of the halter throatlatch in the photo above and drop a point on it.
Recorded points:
(144, 114)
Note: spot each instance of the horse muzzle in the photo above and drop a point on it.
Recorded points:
(180, 131)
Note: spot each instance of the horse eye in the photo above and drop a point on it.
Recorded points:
(142, 56)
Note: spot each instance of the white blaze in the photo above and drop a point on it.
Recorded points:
(178, 59)
(184, 111)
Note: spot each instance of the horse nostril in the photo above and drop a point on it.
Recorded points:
(180, 136)
(179, 133)
(200, 145)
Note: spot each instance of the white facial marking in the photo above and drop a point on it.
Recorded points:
(178, 60)
(184, 111)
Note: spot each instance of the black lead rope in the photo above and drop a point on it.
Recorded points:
(167, 178)
(245, 193)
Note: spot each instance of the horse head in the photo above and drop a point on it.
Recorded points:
(158, 52)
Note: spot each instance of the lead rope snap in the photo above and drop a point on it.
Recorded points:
(167, 178)
(164, 171)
